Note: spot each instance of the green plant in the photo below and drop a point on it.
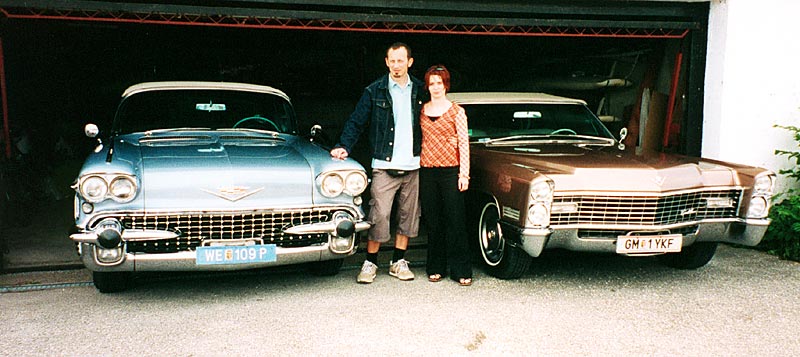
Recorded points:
(794, 171)
(783, 235)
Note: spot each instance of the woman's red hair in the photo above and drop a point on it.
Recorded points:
(441, 71)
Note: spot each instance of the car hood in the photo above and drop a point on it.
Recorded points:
(211, 175)
(604, 168)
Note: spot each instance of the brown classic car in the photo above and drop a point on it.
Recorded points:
(546, 173)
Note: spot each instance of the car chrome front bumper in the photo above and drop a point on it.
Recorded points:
(106, 247)
(533, 241)
(186, 261)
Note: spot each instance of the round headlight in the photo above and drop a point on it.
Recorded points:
(758, 207)
(763, 184)
(94, 189)
(332, 185)
(542, 191)
(122, 188)
(355, 183)
(538, 215)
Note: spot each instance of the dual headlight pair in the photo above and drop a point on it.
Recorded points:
(97, 188)
(334, 183)
(762, 193)
(122, 188)
(541, 198)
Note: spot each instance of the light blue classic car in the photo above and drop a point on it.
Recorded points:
(212, 176)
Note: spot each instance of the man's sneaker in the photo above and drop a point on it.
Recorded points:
(399, 269)
(368, 272)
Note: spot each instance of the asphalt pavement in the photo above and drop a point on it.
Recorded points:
(744, 302)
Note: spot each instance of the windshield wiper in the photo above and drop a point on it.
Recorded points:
(550, 139)
(274, 134)
(157, 131)
(608, 141)
(500, 141)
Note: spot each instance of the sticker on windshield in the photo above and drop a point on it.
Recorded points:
(210, 107)
(527, 115)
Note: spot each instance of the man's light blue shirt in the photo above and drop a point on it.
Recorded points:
(403, 146)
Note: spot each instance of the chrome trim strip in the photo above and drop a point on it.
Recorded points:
(323, 227)
(644, 194)
(133, 235)
(653, 227)
(141, 235)
(98, 216)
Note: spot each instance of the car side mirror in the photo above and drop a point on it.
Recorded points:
(91, 130)
(316, 130)
(317, 135)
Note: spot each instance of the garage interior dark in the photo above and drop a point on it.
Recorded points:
(62, 74)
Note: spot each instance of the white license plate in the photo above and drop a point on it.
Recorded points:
(235, 254)
(667, 243)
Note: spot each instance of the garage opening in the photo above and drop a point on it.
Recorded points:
(638, 66)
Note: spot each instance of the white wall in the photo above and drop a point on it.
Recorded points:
(752, 82)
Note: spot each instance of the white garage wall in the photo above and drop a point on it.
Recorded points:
(752, 83)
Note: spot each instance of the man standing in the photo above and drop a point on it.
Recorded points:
(389, 109)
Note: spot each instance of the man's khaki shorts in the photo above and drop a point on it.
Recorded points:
(384, 188)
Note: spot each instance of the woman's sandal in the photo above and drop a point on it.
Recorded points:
(433, 278)
(465, 281)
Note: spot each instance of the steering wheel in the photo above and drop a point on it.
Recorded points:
(564, 130)
(260, 119)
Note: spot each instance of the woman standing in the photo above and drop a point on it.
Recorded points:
(444, 176)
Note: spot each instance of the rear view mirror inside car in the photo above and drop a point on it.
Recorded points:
(527, 115)
(210, 107)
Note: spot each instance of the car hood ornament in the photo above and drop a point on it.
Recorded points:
(233, 193)
(659, 180)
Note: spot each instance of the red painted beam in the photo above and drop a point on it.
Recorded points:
(340, 25)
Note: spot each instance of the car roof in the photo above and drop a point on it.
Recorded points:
(178, 85)
(509, 97)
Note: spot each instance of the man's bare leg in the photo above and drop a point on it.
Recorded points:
(373, 246)
(401, 241)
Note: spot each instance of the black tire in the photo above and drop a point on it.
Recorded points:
(499, 258)
(691, 257)
(107, 282)
(326, 267)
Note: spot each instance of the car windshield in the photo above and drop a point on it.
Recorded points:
(209, 109)
(532, 121)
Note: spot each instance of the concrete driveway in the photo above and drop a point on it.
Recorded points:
(743, 303)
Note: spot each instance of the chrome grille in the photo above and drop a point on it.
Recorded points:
(646, 210)
(193, 228)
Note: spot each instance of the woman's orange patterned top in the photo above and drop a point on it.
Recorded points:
(445, 141)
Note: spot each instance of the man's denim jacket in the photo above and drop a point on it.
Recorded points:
(374, 111)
